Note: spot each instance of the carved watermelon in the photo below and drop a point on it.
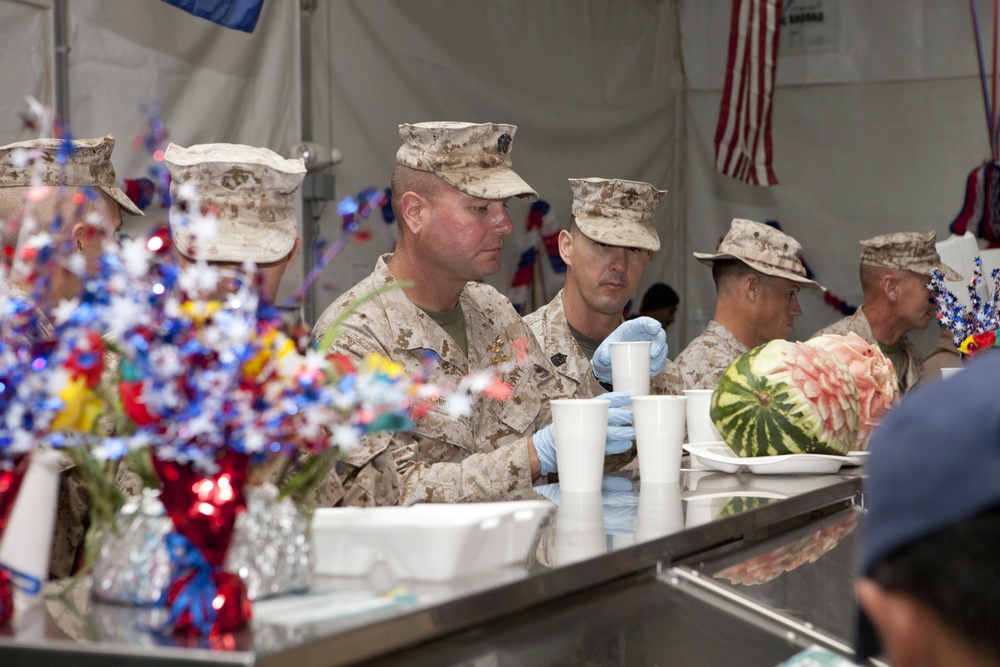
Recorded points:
(786, 398)
(873, 374)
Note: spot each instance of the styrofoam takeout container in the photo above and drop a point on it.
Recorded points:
(432, 542)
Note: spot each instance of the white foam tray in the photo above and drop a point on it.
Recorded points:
(432, 542)
(718, 456)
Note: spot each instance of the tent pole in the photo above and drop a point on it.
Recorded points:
(310, 221)
(59, 23)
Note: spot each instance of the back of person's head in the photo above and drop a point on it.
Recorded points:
(729, 272)
(659, 295)
(252, 192)
(956, 573)
(932, 528)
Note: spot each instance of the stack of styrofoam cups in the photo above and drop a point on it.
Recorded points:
(27, 539)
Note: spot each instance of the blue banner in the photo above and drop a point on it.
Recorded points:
(235, 14)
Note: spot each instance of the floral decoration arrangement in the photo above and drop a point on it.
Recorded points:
(974, 329)
(184, 375)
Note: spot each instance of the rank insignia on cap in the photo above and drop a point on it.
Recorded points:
(503, 142)
(558, 359)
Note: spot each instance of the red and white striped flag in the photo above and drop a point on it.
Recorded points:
(743, 134)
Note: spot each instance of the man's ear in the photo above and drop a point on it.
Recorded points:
(566, 247)
(86, 239)
(751, 286)
(412, 208)
(890, 286)
(900, 621)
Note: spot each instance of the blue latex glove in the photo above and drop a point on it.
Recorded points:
(620, 504)
(639, 329)
(619, 438)
(620, 511)
(621, 432)
(545, 448)
(614, 491)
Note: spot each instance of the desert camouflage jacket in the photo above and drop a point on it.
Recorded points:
(551, 328)
(707, 357)
(858, 323)
(480, 457)
(43, 327)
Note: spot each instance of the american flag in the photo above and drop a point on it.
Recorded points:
(743, 134)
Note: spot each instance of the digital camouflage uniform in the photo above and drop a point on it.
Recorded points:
(858, 323)
(707, 357)
(551, 329)
(944, 355)
(480, 457)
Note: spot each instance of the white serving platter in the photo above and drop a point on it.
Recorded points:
(428, 542)
(718, 456)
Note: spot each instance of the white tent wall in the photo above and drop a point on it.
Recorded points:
(27, 56)
(592, 87)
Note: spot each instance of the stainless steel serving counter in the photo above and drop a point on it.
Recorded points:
(655, 574)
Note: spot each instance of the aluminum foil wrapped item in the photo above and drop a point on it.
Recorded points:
(133, 566)
(269, 550)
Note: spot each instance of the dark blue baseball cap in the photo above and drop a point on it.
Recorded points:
(935, 461)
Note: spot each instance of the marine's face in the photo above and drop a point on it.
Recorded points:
(604, 276)
(914, 304)
(464, 235)
(777, 308)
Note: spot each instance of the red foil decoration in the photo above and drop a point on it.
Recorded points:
(10, 483)
(203, 509)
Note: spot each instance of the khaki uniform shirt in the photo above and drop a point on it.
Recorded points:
(944, 355)
(858, 323)
(707, 357)
(480, 457)
(551, 328)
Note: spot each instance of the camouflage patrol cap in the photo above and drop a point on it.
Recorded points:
(616, 212)
(75, 162)
(764, 249)
(252, 192)
(910, 251)
(472, 157)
